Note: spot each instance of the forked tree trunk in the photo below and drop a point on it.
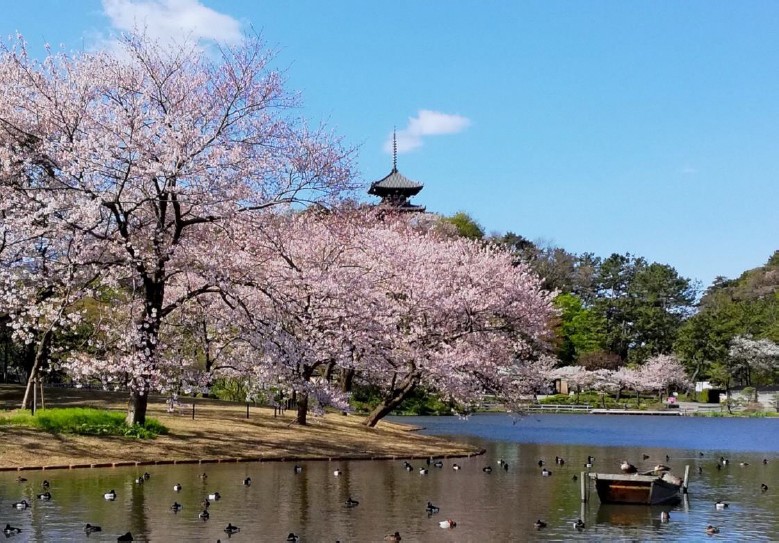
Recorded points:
(40, 354)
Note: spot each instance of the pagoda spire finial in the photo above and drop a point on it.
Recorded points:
(394, 149)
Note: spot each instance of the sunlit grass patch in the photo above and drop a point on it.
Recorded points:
(84, 421)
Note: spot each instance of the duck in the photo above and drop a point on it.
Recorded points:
(230, 529)
(500, 462)
(206, 503)
(765, 461)
(665, 516)
(724, 461)
(743, 464)
(21, 479)
(203, 515)
(575, 477)
(505, 466)
(24, 504)
(423, 471)
(700, 470)
(215, 496)
(45, 496)
(487, 469)
(579, 524)
(721, 505)
(177, 487)
(140, 480)
(91, 528)
(126, 537)
(456, 467)
(297, 468)
(540, 463)
(627, 467)
(661, 468)
(110, 495)
(763, 487)
(11, 530)
(539, 524)
(432, 509)
(337, 472)
(176, 507)
(408, 466)
(711, 530)
(645, 456)
(393, 537)
(438, 463)
(545, 472)
(146, 475)
(45, 483)
(667, 458)
(292, 538)
(561, 462)
(448, 523)
(351, 502)
(203, 476)
(247, 481)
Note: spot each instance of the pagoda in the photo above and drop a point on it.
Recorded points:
(395, 189)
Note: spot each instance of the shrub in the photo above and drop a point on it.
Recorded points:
(84, 421)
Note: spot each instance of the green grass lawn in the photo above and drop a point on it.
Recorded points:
(83, 421)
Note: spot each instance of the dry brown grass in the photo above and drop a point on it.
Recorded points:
(220, 430)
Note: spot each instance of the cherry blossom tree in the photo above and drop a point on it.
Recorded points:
(165, 157)
(661, 372)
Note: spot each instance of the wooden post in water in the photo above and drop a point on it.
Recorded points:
(584, 483)
(686, 478)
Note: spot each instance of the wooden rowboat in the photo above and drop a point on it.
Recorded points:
(638, 489)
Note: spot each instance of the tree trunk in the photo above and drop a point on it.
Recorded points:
(40, 354)
(392, 400)
(136, 408)
(347, 378)
(302, 409)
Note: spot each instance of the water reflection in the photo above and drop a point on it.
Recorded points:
(499, 506)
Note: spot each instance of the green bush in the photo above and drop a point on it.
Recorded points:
(84, 421)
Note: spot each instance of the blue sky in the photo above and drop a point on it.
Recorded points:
(597, 126)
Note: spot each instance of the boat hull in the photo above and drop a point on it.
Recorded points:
(636, 489)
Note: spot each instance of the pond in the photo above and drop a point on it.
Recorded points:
(498, 506)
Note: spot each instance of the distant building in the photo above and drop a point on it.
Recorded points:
(395, 189)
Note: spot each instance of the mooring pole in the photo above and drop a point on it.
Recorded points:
(686, 478)
(583, 486)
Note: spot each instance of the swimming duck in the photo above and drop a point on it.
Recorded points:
(763, 487)
(337, 472)
(743, 464)
(140, 480)
(720, 505)
(292, 538)
(456, 467)
(539, 524)
(432, 509)
(45, 496)
(45, 484)
(438, 464)
(247, 481)
(575, 477)
(110, 495)
(724, 461)
(545, 472)
(448, 523)
(765, 461)
(214, 496)
(176, 507)
(146, 475)
(392, 537)
(487, 469)
(665, 516)
(206, 503)
(203, 515)
(660, 468)
(500, 462)
(297, 468)
(711, 530)
(540, 463)
(203, 476)
(505, 466)
(11, 530)
(177, 487)
(579, 524)
(645, 456)
(700, 470)
(24, 504)
(90, 529)
(351, 502)
(21, 479)
(126, 537)
(423, 471)
(230, 529)
(561, 461)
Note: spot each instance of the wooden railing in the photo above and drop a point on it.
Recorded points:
(559, 408)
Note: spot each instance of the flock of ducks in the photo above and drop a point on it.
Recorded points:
(230, 529)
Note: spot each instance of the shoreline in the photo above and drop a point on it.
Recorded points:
(221, 432)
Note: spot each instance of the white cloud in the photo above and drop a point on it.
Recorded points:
(173, 19)
(426, 123)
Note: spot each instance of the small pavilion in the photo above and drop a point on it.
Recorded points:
(396, 189)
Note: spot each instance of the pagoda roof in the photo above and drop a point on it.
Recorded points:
(395, 182)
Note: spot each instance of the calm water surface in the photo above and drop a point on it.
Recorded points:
(500, 506)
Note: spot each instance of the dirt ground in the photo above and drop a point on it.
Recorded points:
(220, 431)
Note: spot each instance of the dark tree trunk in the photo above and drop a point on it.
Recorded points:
(347, 380)
(136, 407)
(302, 410)
(392, 400)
